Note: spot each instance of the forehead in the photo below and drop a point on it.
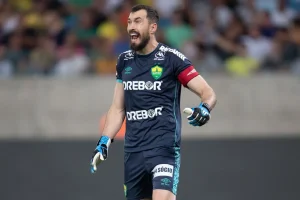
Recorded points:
(138, 14)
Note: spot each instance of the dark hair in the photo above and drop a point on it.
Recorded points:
(152, 14)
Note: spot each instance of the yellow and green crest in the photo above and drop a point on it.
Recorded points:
(156, 72)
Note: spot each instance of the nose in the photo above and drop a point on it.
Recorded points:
(131, 27)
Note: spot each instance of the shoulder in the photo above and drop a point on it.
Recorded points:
(172, 52)
(126, 55)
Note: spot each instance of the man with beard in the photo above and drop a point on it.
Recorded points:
(147, 93)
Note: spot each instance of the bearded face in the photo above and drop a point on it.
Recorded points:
(138, 30)
(138, 41)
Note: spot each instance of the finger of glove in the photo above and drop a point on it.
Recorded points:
(96, 160)
(190, 117)
(193, 117)
(201, 119)
(102, 157)
(102, 150)
(202, 122)
(205, 119)
(208, 117)
(194, 122)
(191, 122)
(197, 119)
(92, 169)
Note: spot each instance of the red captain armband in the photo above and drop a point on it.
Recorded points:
(186, 75)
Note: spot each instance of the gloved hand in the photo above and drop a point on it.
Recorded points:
(100, 153)
(198, 116)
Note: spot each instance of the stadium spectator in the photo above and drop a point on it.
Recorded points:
(6, 66)
(72, 58)
(179, 31)
(42, 58)
(44, 37)
(292, 55)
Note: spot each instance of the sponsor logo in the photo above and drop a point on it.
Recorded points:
(142, 85)
(165, 182)
(144, 114)
(174, 51)
(160, 55)
(128, 70)
(129, 56)
(163, 170)
(156, 72)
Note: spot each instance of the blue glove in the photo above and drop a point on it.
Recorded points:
(100, 153)
(200, 115)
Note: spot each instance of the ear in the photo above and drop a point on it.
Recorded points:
(153, 28)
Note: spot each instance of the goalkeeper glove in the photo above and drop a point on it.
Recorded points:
(199, 116)
(100, 153)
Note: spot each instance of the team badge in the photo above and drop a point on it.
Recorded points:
(156, 72)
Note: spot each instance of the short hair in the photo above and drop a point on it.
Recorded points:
(152, 14)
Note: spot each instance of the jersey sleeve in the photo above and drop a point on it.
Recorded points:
(183, 69)
(119, 69)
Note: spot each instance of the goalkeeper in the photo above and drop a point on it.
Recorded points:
(147, 93)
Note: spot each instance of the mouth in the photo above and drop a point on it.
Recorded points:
(134, 36)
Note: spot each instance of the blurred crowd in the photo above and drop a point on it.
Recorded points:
(78, 37)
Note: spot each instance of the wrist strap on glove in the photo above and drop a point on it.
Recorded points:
(105, 140)
(205, 105)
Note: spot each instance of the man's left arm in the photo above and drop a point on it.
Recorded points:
(188, 76)
(200, 87)
(191, 79)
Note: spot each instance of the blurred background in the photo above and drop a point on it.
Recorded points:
(57, 74)
(80, 37)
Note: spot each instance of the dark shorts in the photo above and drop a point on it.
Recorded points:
(151, 169)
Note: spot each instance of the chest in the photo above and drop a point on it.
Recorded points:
(155, 68)
(147, 74)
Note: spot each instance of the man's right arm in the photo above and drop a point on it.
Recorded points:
(114, 120)
(116, 113)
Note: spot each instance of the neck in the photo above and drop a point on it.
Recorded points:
(152, 44)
